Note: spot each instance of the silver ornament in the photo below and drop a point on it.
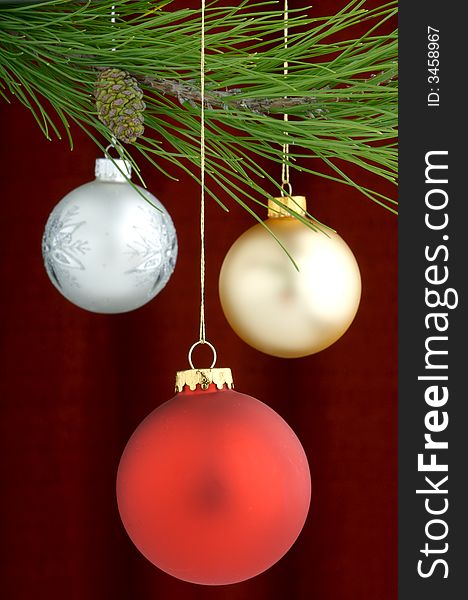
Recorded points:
(107, 249)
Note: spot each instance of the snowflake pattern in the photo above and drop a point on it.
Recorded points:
(61, 251)
(156, 246)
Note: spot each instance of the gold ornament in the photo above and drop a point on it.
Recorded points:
(277, 309)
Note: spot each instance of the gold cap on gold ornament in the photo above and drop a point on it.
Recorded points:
(203, 378)
(281, 207)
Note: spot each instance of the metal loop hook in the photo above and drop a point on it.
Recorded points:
(284, 191)
(114, 145)
(215, 356)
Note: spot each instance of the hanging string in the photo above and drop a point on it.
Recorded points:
(112, 20)
(286, 187)
(114, 143)
(202, 337)
(202, 176)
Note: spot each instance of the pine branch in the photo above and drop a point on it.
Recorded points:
(51, 50)
(226, 99)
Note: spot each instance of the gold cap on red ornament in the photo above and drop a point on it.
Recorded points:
(203, 378)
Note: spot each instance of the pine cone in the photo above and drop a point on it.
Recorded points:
(119, 103)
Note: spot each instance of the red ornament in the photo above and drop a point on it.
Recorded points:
(213, 486)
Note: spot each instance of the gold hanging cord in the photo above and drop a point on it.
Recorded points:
(202, 177)
(286, 187)
(202, 334)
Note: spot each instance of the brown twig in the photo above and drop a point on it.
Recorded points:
(186, 92)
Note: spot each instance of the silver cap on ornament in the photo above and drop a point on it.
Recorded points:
(107, 169)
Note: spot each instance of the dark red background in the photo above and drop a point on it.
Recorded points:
(74, 385)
